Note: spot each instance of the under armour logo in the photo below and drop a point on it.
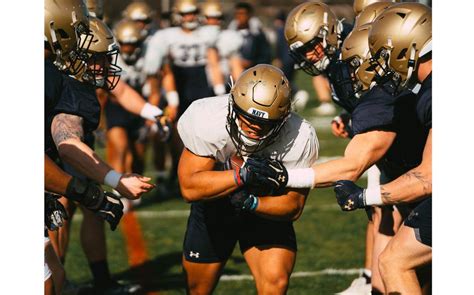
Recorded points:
(281, 178)
(349, 205)
(192, 254)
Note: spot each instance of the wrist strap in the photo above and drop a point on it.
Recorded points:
(372, 196)
(254, 204)
(173, 98)
(112, 178)
(301, 178)
(150, 112)
(219, 89)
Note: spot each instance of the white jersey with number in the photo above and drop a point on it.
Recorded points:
(202, 129)
(185, 49)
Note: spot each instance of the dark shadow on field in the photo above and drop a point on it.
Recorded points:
(160, 194)
(155, 275)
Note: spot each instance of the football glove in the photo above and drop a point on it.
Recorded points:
(54, 212)
(163, 127)
(93, 197)
(264, 176)
(349, 196)
(243, 201)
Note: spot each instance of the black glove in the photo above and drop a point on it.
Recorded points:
(164, 128)
(93, 197)
(349, 196)
(264, 176)
(54, 212)
(243, 201)
(111, 209)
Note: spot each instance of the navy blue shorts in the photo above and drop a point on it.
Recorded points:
(420, 220)
(214, 228)
(117, 116)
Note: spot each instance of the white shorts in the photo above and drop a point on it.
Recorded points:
(47, 270)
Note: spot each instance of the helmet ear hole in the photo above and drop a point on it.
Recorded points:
(402, 53)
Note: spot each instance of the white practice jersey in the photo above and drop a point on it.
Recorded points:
(134, 75)
(183, 49)
(202, 129)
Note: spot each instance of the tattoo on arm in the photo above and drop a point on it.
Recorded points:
(65, 126)
(387, 196)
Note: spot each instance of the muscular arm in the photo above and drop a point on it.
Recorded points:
(363, 151)
(413, 185)
(155, 94)
(197, 180)
(67, 135)
(55, 179)
(286, 207)
(236, 66)
(128, 98)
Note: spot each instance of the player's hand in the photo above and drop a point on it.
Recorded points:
(349, 196)
(54, 212)
(264, 176)
(338, 127)
(111, 209)
(163, 128)
(243, 201)
(132, 186)
(172, 113)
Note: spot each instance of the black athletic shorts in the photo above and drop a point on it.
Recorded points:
(420, 220)
(117, 116)
(214, 228)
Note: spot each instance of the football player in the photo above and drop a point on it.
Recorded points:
(72, 112)
(142, 14)
(228, 42)
(401, 42)
(375, 136)
(228, 204)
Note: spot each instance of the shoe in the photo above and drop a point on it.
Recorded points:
(300, 98)
(117, 288)
(325, 109)
(359, 286)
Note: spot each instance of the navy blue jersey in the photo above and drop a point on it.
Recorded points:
(378, 110)
(64, 94)
(423, 105)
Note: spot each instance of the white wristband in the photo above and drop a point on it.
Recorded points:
(301, 178)
(219, 89)
(373, 196)
(173, 98)
(149, 112)
(112, 178)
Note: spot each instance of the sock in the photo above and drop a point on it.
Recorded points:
(367, 275)
(100, 273)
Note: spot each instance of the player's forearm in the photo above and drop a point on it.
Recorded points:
(409, 187)
(55, 179)
(128, 98)
(155, 95)
(217, 78)
(286, 207)
(236, 67)
(325, 174)
(207, 184)
(83, 159)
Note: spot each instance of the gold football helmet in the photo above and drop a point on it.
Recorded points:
(370, 13)
(311, 27)
(184, 7)
(261, 97)
(96, 8)
(66, 29)
(101, 70)
(128, 33)
(360, 5)
(139, 11)
(398, 38)
(212, 8)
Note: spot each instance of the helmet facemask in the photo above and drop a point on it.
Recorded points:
(131, 58)
(384, 75)
(318, 45)
(102, 70)
(244, 143)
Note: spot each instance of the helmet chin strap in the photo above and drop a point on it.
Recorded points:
(411, 65)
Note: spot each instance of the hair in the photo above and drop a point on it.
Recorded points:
(244, 5)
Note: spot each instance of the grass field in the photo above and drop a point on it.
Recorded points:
(328, 239)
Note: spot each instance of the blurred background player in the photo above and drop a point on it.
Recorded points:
(143, 15)
(255, 48)
(228, 42)
(255, 120)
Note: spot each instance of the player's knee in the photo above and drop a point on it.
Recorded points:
(274, 283)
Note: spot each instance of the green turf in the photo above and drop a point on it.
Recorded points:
(327, 238)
